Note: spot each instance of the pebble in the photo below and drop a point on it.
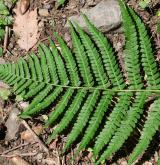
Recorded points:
(12, 124)
(105, 16)
(43, 12)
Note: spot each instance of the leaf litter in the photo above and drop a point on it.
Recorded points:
(26, 27)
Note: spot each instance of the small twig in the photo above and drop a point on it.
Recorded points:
(35, 136)
(15, 148)
(5, 38)
(22, 155)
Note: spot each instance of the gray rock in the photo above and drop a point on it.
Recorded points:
(105, 16)
(12, 124)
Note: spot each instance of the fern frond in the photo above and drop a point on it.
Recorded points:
(151, 126)
(95, 120)
(59, 109)
(59, 64)
(131, 52)
(70, 61)
(126, 126)
(94, 57)
(81, 58)
(51, 64)
(113, 121)
(40, 97)
(38, 68)
(147, 58)
(44, 66)
(70, 113)
(109, 59)
(82, 119)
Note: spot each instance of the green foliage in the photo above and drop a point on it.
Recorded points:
(88, 90)
(60, 2)
(5, 18)
(144, 3)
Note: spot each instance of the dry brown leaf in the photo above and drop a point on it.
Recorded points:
(24, 5)
(26, 28)
(28, 136)
(19, 161)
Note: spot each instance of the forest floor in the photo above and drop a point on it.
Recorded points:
(28, 149)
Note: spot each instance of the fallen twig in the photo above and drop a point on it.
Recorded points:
(15, 148)
(5, 38)
(35, 137)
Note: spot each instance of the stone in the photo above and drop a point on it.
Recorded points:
(43, 12)
(105, 16)
(12, 124)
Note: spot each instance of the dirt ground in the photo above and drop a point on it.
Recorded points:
(34, 152)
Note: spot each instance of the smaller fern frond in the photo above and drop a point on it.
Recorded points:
(70, 61)
(38, 67)
(131, 52)
(95, 59)
(82, 119)
(113, 121)
(44, 66)
(95, 120)
(59, 109)
(69, 114)
(109, 59)
(147, 58)
(59, 64)
(40, 97)
(81, 58)
(50, 63)
(46, 102)
(126, 127)
(151, 126)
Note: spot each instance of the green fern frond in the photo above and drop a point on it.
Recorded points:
(147, 58)
(95, 59)
(87, 89)
(83, 117)
(131, 52)
(70, 113)
(126, 127)
(113, 121)
(151, 126)
(109, 59)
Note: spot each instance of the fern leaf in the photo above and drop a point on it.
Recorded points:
(96, 119)
(82, 118)
(148, 61)
(33, 91)
(22, 87)
(151, 126)
(95, 59)
(36, 100)
(131, 52)
(38, 67)
(81, 58)
(48, 100)
(109, 59)
(59, 64)
(70, 113)
(32, 68)
(51, 64)
(70, 62)
(113, 121)
(126, 126)
(59, 109)
(44, 65)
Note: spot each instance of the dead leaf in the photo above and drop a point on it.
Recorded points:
(28, 136)
(19, 161)
(24, 5)
(26, 28)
